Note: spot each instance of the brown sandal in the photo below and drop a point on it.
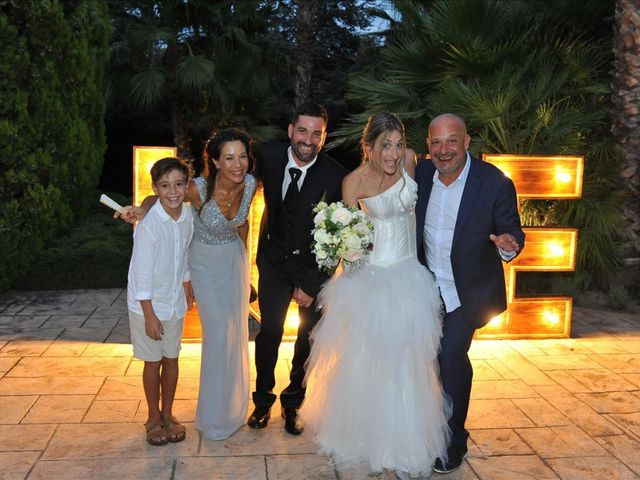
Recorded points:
(175, 431)
(155, 431)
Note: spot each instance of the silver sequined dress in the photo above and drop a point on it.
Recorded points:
(219, 267)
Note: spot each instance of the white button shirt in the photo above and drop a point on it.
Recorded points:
(439, 225)
(292, 164)
(158, 266)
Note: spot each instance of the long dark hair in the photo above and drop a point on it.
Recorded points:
(212, 151)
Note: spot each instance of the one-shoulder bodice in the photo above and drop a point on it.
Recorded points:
(394, 222)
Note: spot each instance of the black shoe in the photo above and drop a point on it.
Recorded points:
(291, 423)
(456, 455)
(260, 417)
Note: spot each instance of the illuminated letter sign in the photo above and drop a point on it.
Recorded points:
(143, 160)
(546, 249)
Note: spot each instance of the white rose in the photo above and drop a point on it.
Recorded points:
(321, 206)
(352, 241)
(352, 255)
(361, 229)
(320, 217)
(320, 236)
(342, 215)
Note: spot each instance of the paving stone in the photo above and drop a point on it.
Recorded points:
(85, 441)
(568, 382)
(601, 380)
(48, 385)
(112, 411)
(483, 371)
(58, 409)
(567, 346)
(541, 412)
(624, 448)
(65, 348)
(611, 402)
(105, 469)
(107, 350)
(22, 321)
(496, 413)
(501, 368)
(499, 442)
(295, 467)
(91, 334)
(15, 408)
(556, 442)
(619, 363)
(25, 348)
(6, 363)
(25, 437)
(591, 468)
(511, 468)
(70, 366)
(565, 362)
(66, 321)
(630, 421)
(16, 465)
(501, 389)
(269, 441)
(221, 468)
(584, 417)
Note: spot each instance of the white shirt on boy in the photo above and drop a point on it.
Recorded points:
(158, 266)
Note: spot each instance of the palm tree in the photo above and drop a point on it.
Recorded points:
(626, 117)
(200, 64)
(526, 79)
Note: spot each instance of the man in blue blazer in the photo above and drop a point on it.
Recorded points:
(467, 224)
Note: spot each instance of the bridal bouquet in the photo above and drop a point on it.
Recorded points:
(340, 233)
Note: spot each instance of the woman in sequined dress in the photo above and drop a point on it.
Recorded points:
(219, 268)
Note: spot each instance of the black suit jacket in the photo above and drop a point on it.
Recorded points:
(322, 181)
(488, 205)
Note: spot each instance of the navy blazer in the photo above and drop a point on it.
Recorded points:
(323, 180)
(488, 205)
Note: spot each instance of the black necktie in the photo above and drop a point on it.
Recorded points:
(292, 191)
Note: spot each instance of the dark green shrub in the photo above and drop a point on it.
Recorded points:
(52, 138)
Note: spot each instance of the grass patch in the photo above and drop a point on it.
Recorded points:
(94, 253)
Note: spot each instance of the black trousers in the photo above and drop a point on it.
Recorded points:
(456, 370)
(275, 289)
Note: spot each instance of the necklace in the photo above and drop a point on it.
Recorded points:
(226, 198)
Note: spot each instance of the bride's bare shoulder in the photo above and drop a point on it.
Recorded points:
(351, 186)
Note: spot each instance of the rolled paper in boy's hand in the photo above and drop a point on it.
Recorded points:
(105, 200)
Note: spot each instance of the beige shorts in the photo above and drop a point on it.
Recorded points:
(150, 350)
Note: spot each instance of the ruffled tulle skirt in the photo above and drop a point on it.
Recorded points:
(374, 399)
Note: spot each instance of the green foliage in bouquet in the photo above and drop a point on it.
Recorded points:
(52, 138)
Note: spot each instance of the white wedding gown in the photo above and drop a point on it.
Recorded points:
(374, 398)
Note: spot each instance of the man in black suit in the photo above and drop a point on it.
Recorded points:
(295, 177)
(467, 222)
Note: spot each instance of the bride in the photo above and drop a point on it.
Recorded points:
(374, 398)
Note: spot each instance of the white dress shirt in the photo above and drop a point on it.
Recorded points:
(158, 266)
(439, 225)
(292, 164)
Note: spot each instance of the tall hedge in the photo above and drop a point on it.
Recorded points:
(52, 134)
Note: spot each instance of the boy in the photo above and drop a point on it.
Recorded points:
(157, 295)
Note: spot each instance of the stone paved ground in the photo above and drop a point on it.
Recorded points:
(71, 403)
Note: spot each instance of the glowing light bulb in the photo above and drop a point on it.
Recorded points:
(554, 249)
(562, 176)
(550, 317)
